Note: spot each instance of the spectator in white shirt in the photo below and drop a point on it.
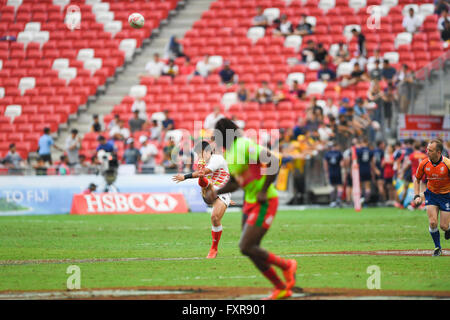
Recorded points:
(411, 23)
(212, 118)
(444, 16)
(119, 132)
(140, 105)
(203, 68)
(155, 68)
(331, 108)
(148, 153)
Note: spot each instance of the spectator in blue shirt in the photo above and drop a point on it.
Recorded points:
(45, 146)
(227, 75)
(168, 124)
(388, 72)
(103, 145)
(325, 73)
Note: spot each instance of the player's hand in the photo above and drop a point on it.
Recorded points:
(178, 178)
(262, 197)
(418, 201)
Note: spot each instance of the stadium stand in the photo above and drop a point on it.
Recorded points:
(50, 70)
(53, 69)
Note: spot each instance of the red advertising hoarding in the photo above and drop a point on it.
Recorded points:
(128, 203)
(424, 127)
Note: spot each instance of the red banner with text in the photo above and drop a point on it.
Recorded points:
(128, 203)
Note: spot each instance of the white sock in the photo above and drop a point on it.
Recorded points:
(433, 230)
(216, 229)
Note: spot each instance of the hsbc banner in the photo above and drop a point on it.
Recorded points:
(128, 203)
(424, 127)
(34, 195)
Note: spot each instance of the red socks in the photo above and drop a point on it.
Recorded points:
(272, 276)
(216, 232)
(279, 262)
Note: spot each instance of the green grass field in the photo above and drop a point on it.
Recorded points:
(189, 236)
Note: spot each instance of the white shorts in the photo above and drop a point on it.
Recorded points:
(226, 198)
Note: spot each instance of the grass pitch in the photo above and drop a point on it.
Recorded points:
(172, 248)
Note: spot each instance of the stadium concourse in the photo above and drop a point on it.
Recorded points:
(311, 73)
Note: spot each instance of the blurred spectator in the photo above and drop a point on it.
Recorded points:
(281, 93)
(113, 122)
(441, 6)
(325, 132)
(82, 166)
(309, 52)
(187, 68)
(13, 161)
(227, 75)
(342, 54)
(405, 84)
(375, 73)
(168, 162)
(388, 72)
(140, 106)
(356, 76)
(239, 123)
(361, 41)
(171, 69)
(168, 123)
(260, 20)
(173, 49)
(283, 26)
(299, 128)
(360, 113)
(242, 92)
(331, 108)
(8, 38)
(303, 28)
(73, 145)
(90, 189)
(40, 167)
(96, 126)
(375, 94)
(444, 17)
(155, 131)
(148, 153)
(264, 93)
(119, 131)
(321, 53)
(63, 167)
(203, 67)
(325, 73)
(135, 123)
(212, 118)
(411, 22)
(45, 146)
(376, 56)
(359, 59)
(297, 91)
(445, 34)
(104, 145)
(131, 154)
(155, 67)
(390, 98)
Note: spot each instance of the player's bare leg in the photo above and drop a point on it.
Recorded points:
(445, 223)
(249, 245)
(433, 213)
(219, 208)
(381, 190)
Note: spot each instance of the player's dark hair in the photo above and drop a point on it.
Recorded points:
(439, 145)
(379, 143)
(417, 145)
(202, 146)
(222, 126)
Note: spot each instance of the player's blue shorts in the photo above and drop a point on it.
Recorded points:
(365, 175)
(442, 201)
(335, 178)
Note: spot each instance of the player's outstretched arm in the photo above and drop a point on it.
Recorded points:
(417, 196)
(181, 177)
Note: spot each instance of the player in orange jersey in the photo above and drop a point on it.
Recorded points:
(436, 168)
